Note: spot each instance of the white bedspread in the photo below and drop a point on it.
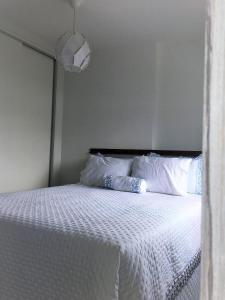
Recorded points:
(80, 243)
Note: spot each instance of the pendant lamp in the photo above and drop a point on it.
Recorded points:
(72, 49)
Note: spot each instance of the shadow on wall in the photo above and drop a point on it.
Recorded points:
(72, 171)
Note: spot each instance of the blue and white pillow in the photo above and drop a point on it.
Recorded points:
(125, 184)
(107, 182)
(195, 176)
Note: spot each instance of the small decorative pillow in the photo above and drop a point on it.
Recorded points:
(125, 184)
(195, 176)
(100, 166)
(163, 174)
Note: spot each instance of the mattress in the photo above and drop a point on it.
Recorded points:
(82, 243)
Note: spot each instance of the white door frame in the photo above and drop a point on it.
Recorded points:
(213, 219)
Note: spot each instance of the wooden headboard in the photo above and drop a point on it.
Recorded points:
(134, 152)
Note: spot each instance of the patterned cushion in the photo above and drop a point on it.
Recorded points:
(125, 184)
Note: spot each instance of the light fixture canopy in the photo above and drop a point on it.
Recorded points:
(72, 49)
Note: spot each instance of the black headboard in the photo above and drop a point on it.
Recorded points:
(133, 152)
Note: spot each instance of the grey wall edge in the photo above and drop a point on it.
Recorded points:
(57, 123)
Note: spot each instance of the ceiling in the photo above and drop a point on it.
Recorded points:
(106, 22)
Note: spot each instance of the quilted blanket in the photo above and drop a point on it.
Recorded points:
(81, 243)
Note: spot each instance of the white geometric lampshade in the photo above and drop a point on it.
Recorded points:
(73, 52)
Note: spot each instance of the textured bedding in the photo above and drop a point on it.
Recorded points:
(82, 243)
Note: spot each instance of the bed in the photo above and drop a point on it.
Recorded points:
(85, 243)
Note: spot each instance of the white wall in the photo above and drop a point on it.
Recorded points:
(179, 96)
(26, 79)
(150, 97)
(109, 105)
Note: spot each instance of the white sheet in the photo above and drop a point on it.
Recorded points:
(82, 243)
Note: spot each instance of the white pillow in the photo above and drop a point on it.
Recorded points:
(163, 174)
(195, 176)
(98, 167)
